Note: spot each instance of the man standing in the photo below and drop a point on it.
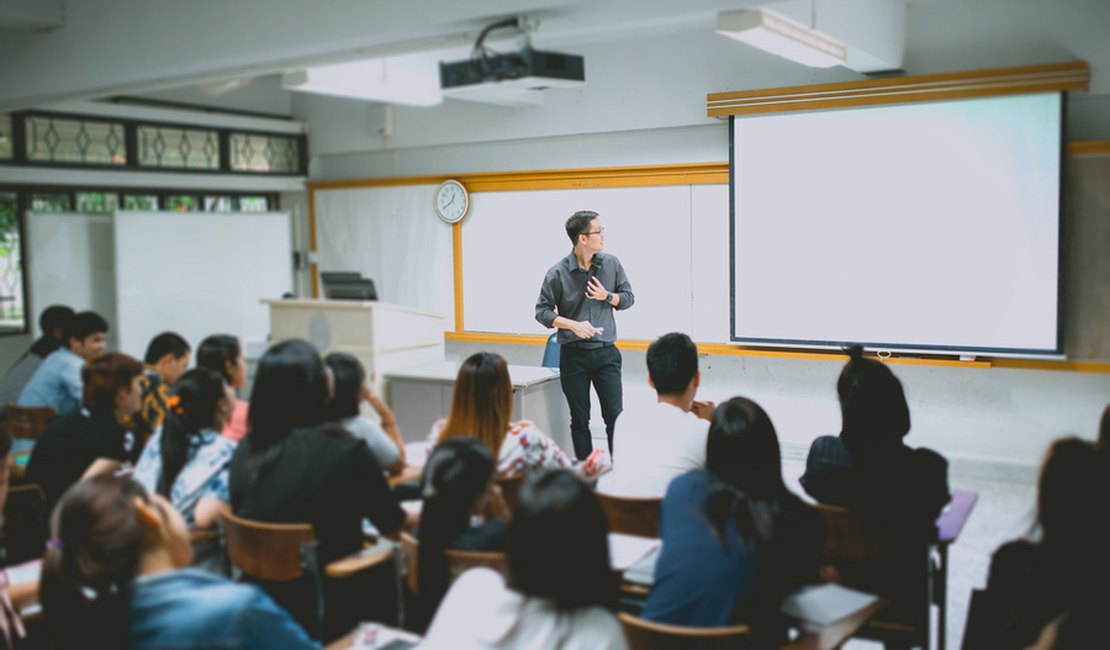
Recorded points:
(578, 296)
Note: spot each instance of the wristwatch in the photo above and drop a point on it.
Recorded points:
(609, 299)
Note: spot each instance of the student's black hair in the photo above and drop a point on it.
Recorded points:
(579, 224)
(217, 352)
(1074, 473)
(558, 543)
(742, 453)
(872, 405)
(5, 444)
(198, 394)
(290, 391)
(349, 376)
(55, 317)
(672, 361)
(84, 324)
(1104, 429)
(163, 344)
(90, 562)
(103, 378)
(457, 473)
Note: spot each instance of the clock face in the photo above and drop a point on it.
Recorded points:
(452, 201)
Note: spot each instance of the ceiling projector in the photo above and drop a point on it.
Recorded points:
(511, 79)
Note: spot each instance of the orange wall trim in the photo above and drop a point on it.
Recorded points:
(1089, 148)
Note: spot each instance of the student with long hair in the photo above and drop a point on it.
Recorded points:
(350, 391)
(1060, 573)
(224, 354)
(482, 408)
(113, 577)
(735, 540)
(561, 591)
(457, 487)
(91, 440)
(186, 460)
(296, 467)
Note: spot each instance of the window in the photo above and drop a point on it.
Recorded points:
(170, 147)
(141, 202)
(5, 136)
(263, 152)
(97, 201)
(253, 204)
(74, 141)
(218, 203)
(50, 202)
(11, 265)
(182, 203)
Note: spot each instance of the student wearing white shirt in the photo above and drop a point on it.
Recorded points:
(561, 592)
(653, 445)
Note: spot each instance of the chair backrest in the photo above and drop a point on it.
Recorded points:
(457, 561)
(850, 537)
(510, 489)
(268, 551)
(647, 635)
(551, 352)
(28, 422)
(26, 519)
(631, 515)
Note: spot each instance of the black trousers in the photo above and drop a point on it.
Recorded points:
(578, 368)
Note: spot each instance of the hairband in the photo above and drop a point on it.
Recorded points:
(55, 543)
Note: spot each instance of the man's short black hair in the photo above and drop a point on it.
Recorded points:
(672, 361)
(54, 317)
(579, 224)
(163, 344)
(83, 324)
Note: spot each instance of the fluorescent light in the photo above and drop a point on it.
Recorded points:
(779, 35)
(408, 79)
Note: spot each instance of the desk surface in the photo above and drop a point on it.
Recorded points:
(834, 635)
(952, 519)
(447, 371)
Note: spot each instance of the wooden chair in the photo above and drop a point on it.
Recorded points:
(646, 635)
(631, 516)
(856, 546)
(457, 561)
(286, 552)
(26, 523)
(27, 422)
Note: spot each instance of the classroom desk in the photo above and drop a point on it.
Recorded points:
(421, 395)
(834, 635)
(384, 635)
(949, 525)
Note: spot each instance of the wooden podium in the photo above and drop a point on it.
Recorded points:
(384, 337)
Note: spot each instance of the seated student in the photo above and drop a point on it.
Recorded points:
(167, 356)
(481, 408)
(11, 626)
(1104, 429)
(351, 389)
(1066, 572)
(57, 382)
(186, 459)
(91, 440)
(113, 577)
(458, 489)
(868, 467)
(667, 439)
(561, 591)
(295, 467)
(735, 540)
(224, 354)
(53, 322)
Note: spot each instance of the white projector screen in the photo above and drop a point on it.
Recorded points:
(930, 227)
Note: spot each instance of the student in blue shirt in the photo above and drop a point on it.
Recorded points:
(736, 542)
(113, 577)
(57, 382)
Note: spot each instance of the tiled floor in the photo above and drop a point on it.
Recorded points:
(1005, 510)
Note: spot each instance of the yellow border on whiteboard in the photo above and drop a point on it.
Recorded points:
(711, 173)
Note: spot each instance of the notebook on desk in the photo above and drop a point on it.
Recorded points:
(825, 604)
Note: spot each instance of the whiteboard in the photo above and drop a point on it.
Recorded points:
(510, 239)
(198, 274)
(70, 262)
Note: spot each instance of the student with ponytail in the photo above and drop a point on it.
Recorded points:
(735, 540)
(224, 354)
(186, 460)
(113, 577)
(457, 487)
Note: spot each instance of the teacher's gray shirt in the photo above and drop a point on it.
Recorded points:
(564, 294)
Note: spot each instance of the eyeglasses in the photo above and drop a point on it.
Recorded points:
(599, 231)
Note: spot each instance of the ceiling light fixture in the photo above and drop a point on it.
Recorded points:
(780, 35)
